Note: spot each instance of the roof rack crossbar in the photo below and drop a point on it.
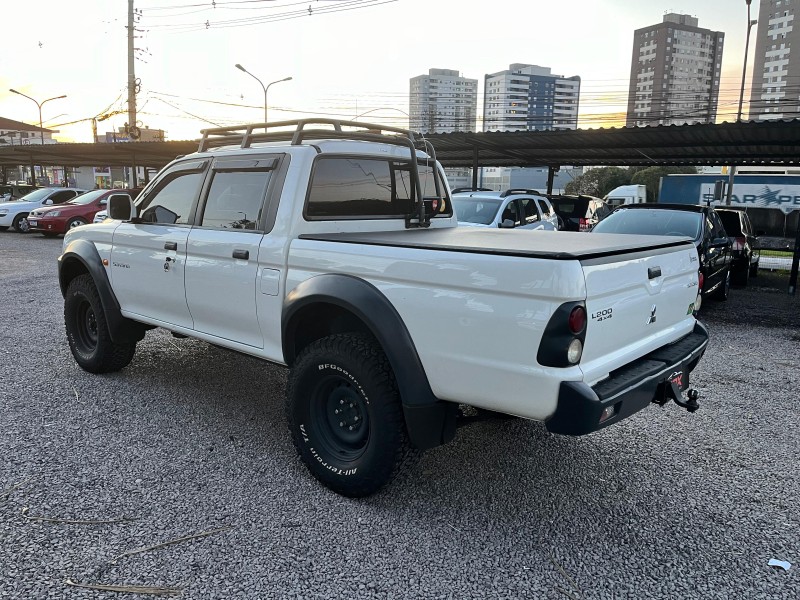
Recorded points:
(245, 134)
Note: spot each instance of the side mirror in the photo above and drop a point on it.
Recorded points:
(48, 202)
(103, 202)
(720, 242)
(120, 207)
(506, 224)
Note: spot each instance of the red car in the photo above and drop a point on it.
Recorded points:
(52, 220)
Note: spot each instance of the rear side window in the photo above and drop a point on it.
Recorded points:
(235, 200)
(544, 208)
(63, 196)
(365, 188)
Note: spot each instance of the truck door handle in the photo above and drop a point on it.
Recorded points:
(653, 272)
(170, 245)
(243, 254)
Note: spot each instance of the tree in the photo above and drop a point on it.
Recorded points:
(651, 177)
(599, 181)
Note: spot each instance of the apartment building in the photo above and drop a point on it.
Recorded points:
(530, 98)
(775, 91)
(442, 102)
(675, 73)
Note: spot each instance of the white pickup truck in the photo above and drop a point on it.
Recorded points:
(332, 248)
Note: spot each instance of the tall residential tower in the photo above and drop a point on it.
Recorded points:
(442, 102)
(675, 72)
(530, 98)
(775, 92)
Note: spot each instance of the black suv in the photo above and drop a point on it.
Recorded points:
(579, 213)
(701, 223)
(745, 248)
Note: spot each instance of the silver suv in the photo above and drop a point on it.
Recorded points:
(511, 209)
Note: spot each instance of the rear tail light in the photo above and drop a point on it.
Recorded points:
(577, 320)
(574, 351)
(564, 335)
(583, 224)
(700, 281)
(739, 243)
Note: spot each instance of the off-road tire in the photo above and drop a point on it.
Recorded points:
(17, 223)
(345, 416)
(87, 330)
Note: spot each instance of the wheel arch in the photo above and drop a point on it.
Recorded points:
(335, 303)
(81, 257)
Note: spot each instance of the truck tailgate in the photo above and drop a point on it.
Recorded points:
(635, 304)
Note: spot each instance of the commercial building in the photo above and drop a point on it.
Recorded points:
(775, 93)
(530, 98)
(17, 133)
(442, 102)
(675, 73)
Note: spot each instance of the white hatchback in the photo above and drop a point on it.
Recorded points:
(15, 213)
(512, 209)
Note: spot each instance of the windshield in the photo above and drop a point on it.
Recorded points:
(476, 210)
(88, 197)
(36, 195)
(652, 222)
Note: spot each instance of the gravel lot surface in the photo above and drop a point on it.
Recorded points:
(191, 439)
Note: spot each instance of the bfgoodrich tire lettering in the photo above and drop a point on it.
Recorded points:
(345, 416)
(87, 330)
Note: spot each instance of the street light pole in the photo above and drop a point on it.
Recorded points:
(750, 23)
(263, 87)
(265, 96)
(39, 105)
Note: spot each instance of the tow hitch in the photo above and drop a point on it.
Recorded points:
(671, 390)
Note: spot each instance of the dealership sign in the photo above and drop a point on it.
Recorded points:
(758, 195)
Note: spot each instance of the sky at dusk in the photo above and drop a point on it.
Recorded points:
(346, 57)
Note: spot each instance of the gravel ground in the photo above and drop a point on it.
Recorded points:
(191, 439)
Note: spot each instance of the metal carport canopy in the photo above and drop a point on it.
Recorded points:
(746, 143)
(123, 154)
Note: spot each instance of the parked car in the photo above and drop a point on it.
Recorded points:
(15, 213)
(579, 213)
(520, 209)
(745, 247)
(701, 223)
(12, 191)
(52, 220)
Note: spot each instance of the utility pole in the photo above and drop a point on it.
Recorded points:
(131, 75)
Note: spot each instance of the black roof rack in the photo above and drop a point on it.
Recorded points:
(246, 134)
(520, 191)
(470, 189)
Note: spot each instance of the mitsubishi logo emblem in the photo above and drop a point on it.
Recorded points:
(652, 318)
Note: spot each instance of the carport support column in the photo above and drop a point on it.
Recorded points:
(475, 168)
(133, 181)
(551, 175)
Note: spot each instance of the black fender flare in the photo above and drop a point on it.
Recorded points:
(430, 421)
(121, 329)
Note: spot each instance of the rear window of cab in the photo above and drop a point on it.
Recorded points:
(368, 188)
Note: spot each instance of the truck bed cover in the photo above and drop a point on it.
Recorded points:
(561, 245)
